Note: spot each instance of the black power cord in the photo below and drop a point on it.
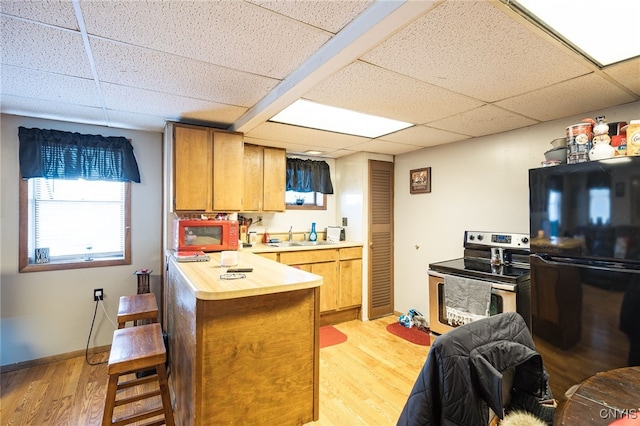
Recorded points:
(86, 352)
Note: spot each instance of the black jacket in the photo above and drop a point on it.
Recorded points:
(462, 377)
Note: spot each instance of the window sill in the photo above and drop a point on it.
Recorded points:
(59, 266)
(305, 207)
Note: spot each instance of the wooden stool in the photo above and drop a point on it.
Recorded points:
(137, 349)
(137, 307)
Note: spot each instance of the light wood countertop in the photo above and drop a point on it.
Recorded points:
(268, 277)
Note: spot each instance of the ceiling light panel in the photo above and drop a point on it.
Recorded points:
(604, 31)
(317, 116)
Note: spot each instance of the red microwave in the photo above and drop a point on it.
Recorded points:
(205, 235)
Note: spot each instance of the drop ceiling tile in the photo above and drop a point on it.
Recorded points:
(366, 88)
(48, 86)
(45, 48)
(328, 15)
(230, 33)
(290, 147)
(423, 136)
(54, 12)
(50, 110)
(136, 121)
(627, 73)
(338, 153)
(383, 147)
(311, 138)
(144, 68)
(298, 149)
(586, 93)
(472, 47)
(483, 121)
(171, 107)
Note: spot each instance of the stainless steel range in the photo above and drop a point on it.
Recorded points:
(500, 258)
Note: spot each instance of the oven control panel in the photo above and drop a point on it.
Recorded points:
(497, 239)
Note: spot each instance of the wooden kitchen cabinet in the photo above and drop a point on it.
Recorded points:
(341, 269)
(193, 168)
(319, 262)
(264, 177)
(208, 169)
(350, 277)
(228, 175)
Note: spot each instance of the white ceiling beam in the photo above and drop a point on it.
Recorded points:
(370, 28)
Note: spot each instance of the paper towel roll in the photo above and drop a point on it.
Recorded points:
(228, 258)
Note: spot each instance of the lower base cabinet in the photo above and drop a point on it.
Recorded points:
(341, 270)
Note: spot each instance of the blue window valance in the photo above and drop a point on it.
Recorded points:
(55, 154)
(308, 176)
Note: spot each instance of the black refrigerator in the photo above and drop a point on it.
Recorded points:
(585, 267)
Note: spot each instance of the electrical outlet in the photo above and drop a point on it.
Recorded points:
(98, 294)
(344, 221)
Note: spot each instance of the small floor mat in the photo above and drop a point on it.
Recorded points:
(413, 334)
(329, 336)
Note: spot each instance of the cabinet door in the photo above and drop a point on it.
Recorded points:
(350, 283)
(275, 164)
(228, 174)
(193, 168)
(329, 287)
(253, 167)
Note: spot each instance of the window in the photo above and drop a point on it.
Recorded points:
(68, 224)
(599, 206)
(308, 182)
(305, 200)
(75, 200)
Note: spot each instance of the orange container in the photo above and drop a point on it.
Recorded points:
(633, 137)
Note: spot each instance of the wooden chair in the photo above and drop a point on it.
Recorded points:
(137, 307)
(137, 349)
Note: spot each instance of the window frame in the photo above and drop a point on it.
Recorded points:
(23, 244)
(308, 206)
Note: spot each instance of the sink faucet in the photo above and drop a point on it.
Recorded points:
(290, 233)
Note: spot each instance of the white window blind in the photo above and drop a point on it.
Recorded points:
(77, 219)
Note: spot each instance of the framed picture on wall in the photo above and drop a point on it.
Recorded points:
(420, 181)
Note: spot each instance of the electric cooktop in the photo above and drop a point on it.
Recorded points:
(483, 269)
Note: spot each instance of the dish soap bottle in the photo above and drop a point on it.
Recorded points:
(313, 236)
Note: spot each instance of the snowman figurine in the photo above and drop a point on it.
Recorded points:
(602, 148)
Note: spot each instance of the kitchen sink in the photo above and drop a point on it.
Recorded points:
(313, 243)
(300, 243)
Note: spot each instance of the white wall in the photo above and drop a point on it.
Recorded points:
(480, 184)
(49, 313)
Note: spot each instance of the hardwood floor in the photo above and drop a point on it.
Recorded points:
(364, 381)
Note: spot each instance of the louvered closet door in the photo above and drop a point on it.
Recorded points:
(380, 239)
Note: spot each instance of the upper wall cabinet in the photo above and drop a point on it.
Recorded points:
(208, 169)
(264, 178)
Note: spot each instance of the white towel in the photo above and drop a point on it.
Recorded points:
(466, 300)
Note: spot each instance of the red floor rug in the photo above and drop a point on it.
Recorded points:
(329, 336)
(413, 334)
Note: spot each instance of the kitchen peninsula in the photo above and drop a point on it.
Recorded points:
(242, 350)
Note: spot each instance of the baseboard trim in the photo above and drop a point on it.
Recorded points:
(336, 317)
(53, 358)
